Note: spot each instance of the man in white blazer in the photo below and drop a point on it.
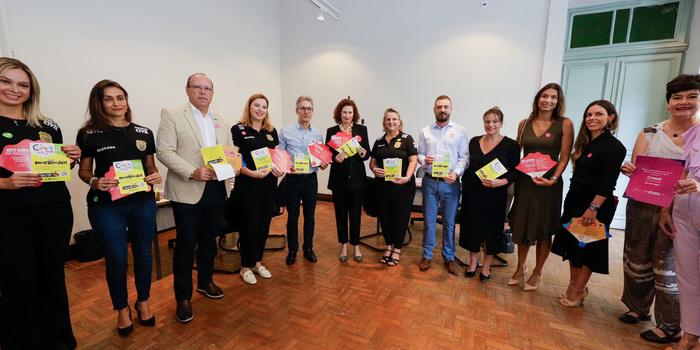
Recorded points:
(197, 197)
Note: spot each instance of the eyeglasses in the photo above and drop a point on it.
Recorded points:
(306, 109)
(201, 87)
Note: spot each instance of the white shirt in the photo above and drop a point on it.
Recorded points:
(206, 126)
(449, 140)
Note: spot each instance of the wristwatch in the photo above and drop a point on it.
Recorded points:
(593, 207)
(93, 179)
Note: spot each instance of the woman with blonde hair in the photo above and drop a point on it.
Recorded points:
(395, 196)
(37, 220)
(257, 187)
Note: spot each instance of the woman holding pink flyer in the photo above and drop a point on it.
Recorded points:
(649, 265)
(535, 216)
(118, 164)
(347, 178)
(596, 158)
(37, 220)
(685, 228)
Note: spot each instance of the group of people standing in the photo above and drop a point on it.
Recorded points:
(34, 310)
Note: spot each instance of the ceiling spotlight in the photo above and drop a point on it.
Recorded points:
(320, 16)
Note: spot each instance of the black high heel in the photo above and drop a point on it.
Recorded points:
(149, 322)
(126, 330)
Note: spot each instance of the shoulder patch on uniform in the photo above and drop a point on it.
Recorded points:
(650, 130)
(141, 129)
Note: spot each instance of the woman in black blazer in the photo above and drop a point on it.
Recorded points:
(348, 179)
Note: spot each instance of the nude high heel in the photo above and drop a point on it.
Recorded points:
(515, 282)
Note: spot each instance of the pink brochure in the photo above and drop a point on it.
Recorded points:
(281, 159)
(654, 179)
(536, 164)
(16, 158)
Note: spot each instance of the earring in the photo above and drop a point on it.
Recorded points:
(609, 126)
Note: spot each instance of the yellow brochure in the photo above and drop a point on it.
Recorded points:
(261, 158)
(49, 162)
(131, 176)
(441, 165)
(350, 147)
(392, 168)
(213, 155)
(302, 163)
(492, 170)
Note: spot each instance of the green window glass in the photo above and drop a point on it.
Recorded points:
(654, 22)
(591, 29)
(622, 19)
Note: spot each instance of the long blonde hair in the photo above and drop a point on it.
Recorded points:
(246, 119)
(30, 107)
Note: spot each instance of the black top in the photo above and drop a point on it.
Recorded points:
(401, 146)
(12, 132)
(113, 145)
(599, 165)
(350, 174)
(507, 152)
(248, 139)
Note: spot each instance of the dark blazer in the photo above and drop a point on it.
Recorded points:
(350, 174)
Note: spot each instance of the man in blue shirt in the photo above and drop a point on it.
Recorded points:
(302, 184)
(443, 152)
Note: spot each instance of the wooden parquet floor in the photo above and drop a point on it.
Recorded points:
(329, 305)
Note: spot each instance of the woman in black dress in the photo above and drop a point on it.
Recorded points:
(484, 202)
(596, 158)
(347, 178)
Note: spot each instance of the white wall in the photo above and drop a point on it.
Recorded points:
(404, 53)
(150, 47)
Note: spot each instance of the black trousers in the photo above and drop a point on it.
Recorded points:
(258, 196)
(196, 228)
(395, 202)
(348, 206)
(301, 188)
(34, 311)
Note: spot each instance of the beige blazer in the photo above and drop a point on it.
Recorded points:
(178, 147)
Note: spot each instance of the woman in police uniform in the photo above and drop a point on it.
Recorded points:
(255, 187)
(395, 196)
(37, 220)
(109, 137)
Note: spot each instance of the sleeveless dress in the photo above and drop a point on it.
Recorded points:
(536, 212)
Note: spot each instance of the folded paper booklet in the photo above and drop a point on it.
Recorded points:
(261, 158)
(392, 168)
(38, 157)
(586, 234)
(492, 170)
(215, 158)
(441, 165)
(302, 163)
(281, 159)
(350, 147)
(339, 139)
(536, 164)
(320, 153)
(233, 157)
(654, 180)
(131, 176)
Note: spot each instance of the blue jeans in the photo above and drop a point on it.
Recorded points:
(111, 225)
(436, 195)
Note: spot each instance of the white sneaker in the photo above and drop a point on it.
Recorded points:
(262, 271)
(249, 277)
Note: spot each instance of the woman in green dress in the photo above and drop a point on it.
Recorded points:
(536, 212)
